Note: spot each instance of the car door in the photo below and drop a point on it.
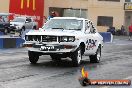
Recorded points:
(90, 43)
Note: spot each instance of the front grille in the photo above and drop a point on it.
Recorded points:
(41, 38)
(46, 38)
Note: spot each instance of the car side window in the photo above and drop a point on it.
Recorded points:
(87, 27)
(92, 28)
(29, 20)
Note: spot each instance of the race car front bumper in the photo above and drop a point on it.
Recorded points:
(54, 48)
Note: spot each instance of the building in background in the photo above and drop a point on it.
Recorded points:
(128, 13)
(4, 6)
(103, 13)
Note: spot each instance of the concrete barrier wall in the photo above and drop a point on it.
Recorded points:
(1, 43)
(1, 33)
(8, 42)
(107, 36)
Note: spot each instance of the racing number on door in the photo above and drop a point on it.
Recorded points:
(90, 44)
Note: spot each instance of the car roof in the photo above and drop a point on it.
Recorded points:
(23, 17)
(68, 18)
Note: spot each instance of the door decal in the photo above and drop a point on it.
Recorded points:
(90, 44)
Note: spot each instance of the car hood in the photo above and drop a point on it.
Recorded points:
(16, 23)
(55, 32)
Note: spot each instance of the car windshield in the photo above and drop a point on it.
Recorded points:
(18, 20)
(66, 24)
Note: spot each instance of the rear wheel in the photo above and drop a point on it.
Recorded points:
(33, 57)
(96, 58)
(76, 57)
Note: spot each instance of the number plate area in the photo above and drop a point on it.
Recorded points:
(50, 48)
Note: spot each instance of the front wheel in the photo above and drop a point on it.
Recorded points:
(33, 57)
(76, 57)
(96, 58)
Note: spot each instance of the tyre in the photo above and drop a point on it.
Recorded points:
(55, 57)
(96, 58)
(76, 57)
(34, 28)
(33, 57)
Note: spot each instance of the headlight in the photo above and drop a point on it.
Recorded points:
(71, 39)
(64, 39)
(67, 39)
(28, 37)
(32, 38)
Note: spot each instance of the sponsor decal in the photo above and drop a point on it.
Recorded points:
(90, 44)
(28, 4)
(85, 81)
(48, 48)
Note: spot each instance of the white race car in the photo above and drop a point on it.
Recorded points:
(62, 37)
(22, 23)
